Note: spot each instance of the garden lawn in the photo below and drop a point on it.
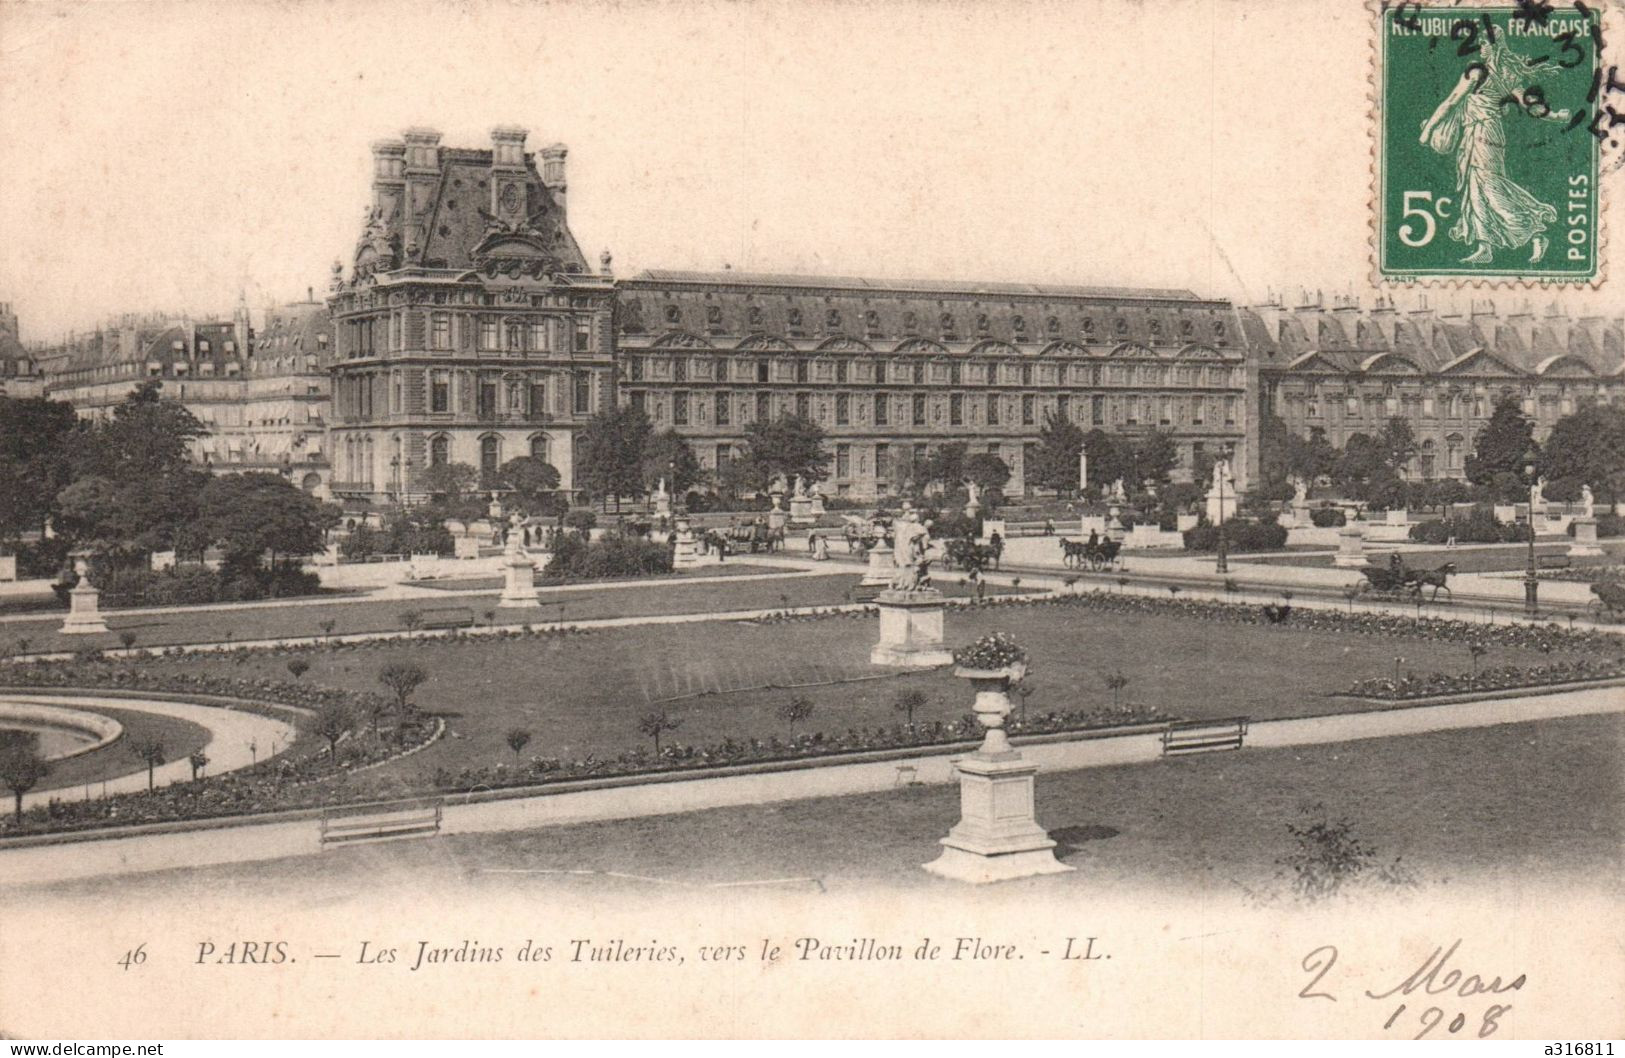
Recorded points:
(181, 739)
(584, 694)
(1535, 803)
(732, 568)
(305, 619)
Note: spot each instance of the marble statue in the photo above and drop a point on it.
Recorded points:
(801, 487)
(1588, 501)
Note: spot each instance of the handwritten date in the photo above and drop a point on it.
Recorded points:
(1435, 977)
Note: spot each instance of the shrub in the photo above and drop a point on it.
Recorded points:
(1328, 517)
(1239, 536)
(1480, 526)
(996, 650)
(614, 556)
(581, 519)
(1607, 525)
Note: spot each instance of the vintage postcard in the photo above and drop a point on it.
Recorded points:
(865, 520)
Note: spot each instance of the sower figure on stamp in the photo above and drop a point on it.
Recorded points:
(1495, 212)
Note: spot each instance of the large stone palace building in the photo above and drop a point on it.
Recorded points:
(891, 369)
(469, 328)
(1344, 369)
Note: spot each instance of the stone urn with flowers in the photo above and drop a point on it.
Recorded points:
(992, 664)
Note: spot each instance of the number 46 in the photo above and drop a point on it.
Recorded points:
(1408, 230)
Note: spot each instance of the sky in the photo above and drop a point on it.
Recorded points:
(165, 156)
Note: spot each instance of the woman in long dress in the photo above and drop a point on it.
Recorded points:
(1495, 212)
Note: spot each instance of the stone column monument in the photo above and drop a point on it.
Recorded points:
(997, 837)
(662, 501)
(687, 553)
(84, 605)
(1350, 546)
(801, 504)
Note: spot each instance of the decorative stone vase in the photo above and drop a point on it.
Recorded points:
(992, 703)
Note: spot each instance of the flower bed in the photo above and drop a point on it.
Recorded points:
(1414, 685)
(676, 757)
(1585, 574)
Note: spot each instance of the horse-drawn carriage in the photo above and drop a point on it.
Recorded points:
(966, 554)
(1098, 553)
(1396, 577)
(1610, 599)
(752, 539)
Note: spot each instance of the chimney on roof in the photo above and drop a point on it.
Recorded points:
(553, 172)
(510, 198)
(422, 181)
(388, 180)
(240, 323)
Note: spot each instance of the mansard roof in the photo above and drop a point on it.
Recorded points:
(884, 313)
(1350, 340)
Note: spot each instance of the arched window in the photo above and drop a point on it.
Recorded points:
(490, 454)
(538, 447)
(439, 450)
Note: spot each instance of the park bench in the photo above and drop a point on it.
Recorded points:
(1553, 560)
(353, 824)
(447, 617)
(1201, 736)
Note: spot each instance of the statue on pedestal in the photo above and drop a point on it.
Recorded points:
(801, 487)
(1588, 501)
(911, 546)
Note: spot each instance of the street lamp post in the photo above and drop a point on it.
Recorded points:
(1531, 583)
(1223, 563)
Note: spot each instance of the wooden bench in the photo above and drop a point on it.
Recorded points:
(1553, 560)
(447, 617)
(386, 821)
(1202, 736)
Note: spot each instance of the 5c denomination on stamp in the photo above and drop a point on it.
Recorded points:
(1490, 123)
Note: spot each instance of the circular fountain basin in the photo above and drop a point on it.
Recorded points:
(62, 733)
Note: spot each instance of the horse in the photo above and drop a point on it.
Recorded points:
(1074, 553)
(1417, 579)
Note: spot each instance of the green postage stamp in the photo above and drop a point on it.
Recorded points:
(1490, 124)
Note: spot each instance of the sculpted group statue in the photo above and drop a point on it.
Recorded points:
(911, 547)
(801, 487)
(777, 485)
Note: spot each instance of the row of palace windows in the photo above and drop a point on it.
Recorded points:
(1132, 410)
(947, 323)
(492, 333)
(839, 371)
(490, 451)
(1455, 406)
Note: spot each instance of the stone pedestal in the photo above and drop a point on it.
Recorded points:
(776, 517)
(8, 567)
(687, 553)
(801, 512)
(519, 587)
(910, 630)
(1585, 538)
(1221, 508)
(84, 607)
(881, 567)
(1114, 524)
(817, 504)
(997, 837)
(662, 505)
(1301, 517)
(1350, 546)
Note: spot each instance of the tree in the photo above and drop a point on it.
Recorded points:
(1056, 462)
(402, 678)
(987, 470)
(1501, 447)
(908, 702)
(795, 711)
(610, 453)
(198, 761)
(945, 465)
(34, 445)
(298, 667)
(1107, 460)
(1115, 682)
(517, 738)
(533, 486)
(1398, 443)
(1588, 448)
(668, 456)
(21, 766)
(1153, 458)
(655, 724)
(149, 750)
(451, 490)
(255, 515)
(333, 721)
(789, 445)
(1362, 462)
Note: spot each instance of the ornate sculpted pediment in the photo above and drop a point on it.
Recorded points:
(842, 344)
(1390, 364)
(681, 340)
(994, 348)
(1133, 350)
(922, 346)
(765, 343)
(1063, 349)
(1199, 352)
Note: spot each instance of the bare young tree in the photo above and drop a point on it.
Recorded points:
(21, 766)
(656, 724)
(149, 750)
(402, 678)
